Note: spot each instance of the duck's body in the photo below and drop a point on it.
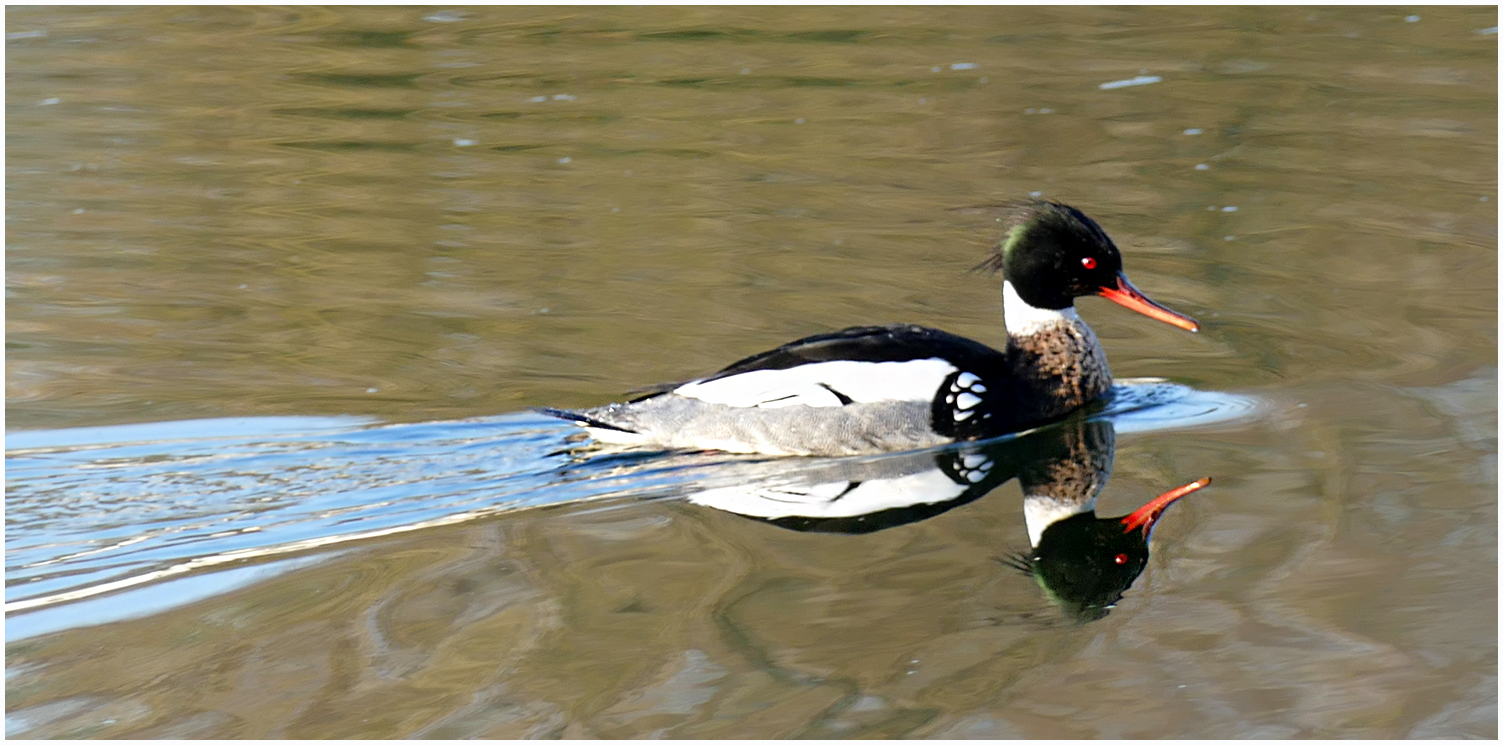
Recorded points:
(886, 388)
(868, 389)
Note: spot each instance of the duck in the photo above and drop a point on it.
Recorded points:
(876, 389)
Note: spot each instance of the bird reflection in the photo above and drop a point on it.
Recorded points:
(1084, 563)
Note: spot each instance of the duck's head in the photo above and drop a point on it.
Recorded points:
(1086, 562)
(1052, 253)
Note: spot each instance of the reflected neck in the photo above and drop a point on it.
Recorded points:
(1039, 512)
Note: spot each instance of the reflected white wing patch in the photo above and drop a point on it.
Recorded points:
(832, 499)
(816, 384)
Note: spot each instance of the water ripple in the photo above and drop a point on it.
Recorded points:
(98, 510)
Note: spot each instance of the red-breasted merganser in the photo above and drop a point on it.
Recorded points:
(873, 389)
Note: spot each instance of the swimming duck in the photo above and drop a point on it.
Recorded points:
(871, 389)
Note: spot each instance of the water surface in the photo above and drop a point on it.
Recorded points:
(281, 284)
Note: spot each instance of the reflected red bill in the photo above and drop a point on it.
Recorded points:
(1144, 517)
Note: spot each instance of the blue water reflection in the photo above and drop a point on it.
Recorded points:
(122, 516)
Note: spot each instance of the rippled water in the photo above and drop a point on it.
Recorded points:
(281, 284)
(97, 510)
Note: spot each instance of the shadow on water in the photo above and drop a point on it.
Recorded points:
(106, 523)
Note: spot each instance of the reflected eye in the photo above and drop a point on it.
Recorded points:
(1119, 559)
(1090, 263)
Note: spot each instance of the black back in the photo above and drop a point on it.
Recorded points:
(895, 343)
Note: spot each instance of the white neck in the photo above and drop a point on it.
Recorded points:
(1023, 319)
(1040, 512)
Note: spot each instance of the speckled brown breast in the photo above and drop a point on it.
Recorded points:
(1062, 366)
(1080, 472)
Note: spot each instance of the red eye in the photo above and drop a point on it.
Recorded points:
(1120, 559)
(1090, 263)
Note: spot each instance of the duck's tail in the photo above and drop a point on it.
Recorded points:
(598, 428)
(584, 419)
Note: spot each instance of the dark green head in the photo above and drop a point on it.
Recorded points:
(1085, 562)
(1052, 253)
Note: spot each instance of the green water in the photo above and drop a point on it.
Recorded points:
(436, 214)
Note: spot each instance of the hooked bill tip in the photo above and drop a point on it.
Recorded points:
(1130, 297)
(1144, 517)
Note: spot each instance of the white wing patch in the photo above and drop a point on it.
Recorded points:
(963, 397)
(805, 385)
(832, 499)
